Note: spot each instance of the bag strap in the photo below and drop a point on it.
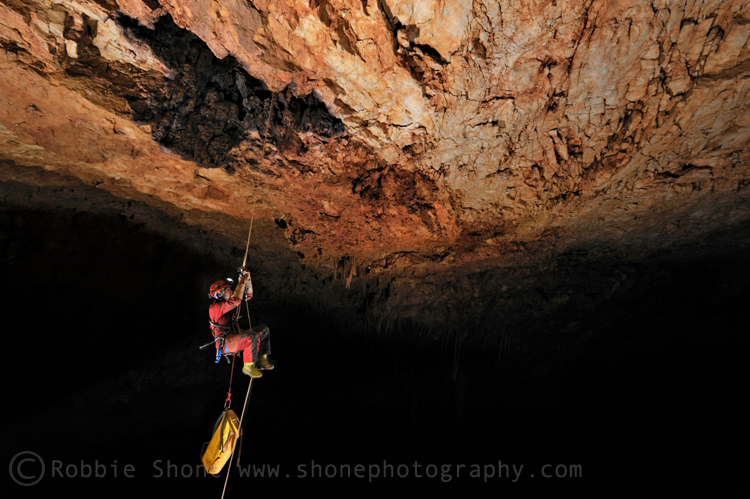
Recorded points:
(223, 425)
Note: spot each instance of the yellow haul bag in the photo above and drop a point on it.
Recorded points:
(220, 448)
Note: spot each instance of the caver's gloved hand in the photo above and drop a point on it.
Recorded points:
(240, 289)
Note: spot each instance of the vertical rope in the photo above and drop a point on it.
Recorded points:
(249, 233)
(247, 307)
(229, 467)
(263, 156)
(250, 323)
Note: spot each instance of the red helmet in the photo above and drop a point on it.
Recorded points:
(217, 288)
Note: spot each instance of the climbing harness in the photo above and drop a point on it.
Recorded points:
(226, 329)
(223, 327)
(223, 351)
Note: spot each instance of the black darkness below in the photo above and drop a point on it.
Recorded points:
(101, 366)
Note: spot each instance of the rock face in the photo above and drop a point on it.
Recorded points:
(444, 136)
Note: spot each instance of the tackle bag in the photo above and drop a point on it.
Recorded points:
(218, 451)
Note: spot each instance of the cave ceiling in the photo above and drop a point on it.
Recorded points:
(388, 134)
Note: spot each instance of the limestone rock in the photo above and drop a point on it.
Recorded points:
(394, 126)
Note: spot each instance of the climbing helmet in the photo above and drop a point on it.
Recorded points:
(217, 288)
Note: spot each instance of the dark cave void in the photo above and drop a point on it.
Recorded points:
(105, 318)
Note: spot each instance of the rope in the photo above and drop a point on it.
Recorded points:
(252, 218)
(229, 468)
(263, 156)
(268, 124)
(247, 307)
(242, 416)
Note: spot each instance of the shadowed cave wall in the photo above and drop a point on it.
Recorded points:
(105, 306)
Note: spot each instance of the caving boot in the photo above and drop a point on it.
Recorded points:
(251, 370)
(265, 363)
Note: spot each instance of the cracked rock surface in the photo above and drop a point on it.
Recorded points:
(393, 140)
